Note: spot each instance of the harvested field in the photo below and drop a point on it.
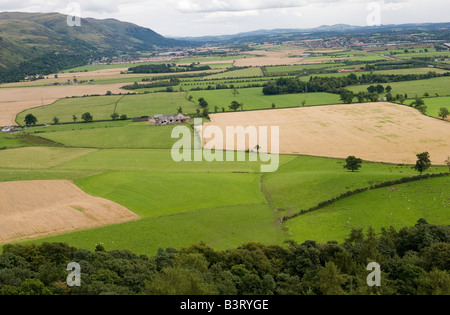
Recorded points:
(15, 100)
(378, 132)
(40, 208)
(97, 73)
(271, 58)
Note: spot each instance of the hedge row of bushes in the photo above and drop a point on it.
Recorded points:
(361, 190)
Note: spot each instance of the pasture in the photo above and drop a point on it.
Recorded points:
(414, 88)
(397, 206)
(254, 99)
(101, 107)
(434, 104)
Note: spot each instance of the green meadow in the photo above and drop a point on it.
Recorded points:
(397, 206)
(101, 107)
(307, 181)
(413, 88)
(254, 99)
(224, 204)
(132, 135)
(434, 105)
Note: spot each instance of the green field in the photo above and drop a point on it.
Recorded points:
(285, 69)
(413, 88)
(397, 206)
(307, 181)
(107, 66)
(254, 99)
(101, 107)
(242, 73)
(435, 104)
(224, 204)
(221, 228)
(133, 135)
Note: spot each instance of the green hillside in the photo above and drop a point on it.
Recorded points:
(27, 37)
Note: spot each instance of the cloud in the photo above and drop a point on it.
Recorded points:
(208, 6)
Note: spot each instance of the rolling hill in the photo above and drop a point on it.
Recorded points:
(28, 37)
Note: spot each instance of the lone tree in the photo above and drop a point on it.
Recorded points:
(114, 116)
(87, 117)
(347, 96)
(235, 105)
(423, 162)
(56, 120)
(180, 110)
(443, 113)
(235, 91)
(30, 120)
(74, 118)
(448, 163)
(203, 103)
(353, 163)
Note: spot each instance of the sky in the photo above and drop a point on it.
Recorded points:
(182, 18)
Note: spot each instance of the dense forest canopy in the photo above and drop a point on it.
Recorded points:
(414, 260)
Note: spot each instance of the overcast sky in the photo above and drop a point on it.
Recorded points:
(217, 17)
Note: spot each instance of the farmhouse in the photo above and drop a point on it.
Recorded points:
(349, 70)
(162, 120)
(7, 129)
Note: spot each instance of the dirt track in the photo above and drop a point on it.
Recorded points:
(379, 132)
(15, 100)
(40, 208)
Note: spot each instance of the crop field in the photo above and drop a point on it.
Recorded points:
(249, 72)
(53, 203)
(382, 132)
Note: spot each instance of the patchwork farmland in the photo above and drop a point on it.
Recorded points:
(118, 184)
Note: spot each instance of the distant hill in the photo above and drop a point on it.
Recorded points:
(277, 35)
(26, 37)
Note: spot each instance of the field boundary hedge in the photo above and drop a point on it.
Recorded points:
(362, 190)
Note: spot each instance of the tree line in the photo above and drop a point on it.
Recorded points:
(333, 84)
(414, 261)
(167, 68)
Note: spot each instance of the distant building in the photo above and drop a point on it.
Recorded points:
(7, 129)
(163, 120)
(350, 70)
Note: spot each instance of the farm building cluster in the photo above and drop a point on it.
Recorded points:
(163, 120)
